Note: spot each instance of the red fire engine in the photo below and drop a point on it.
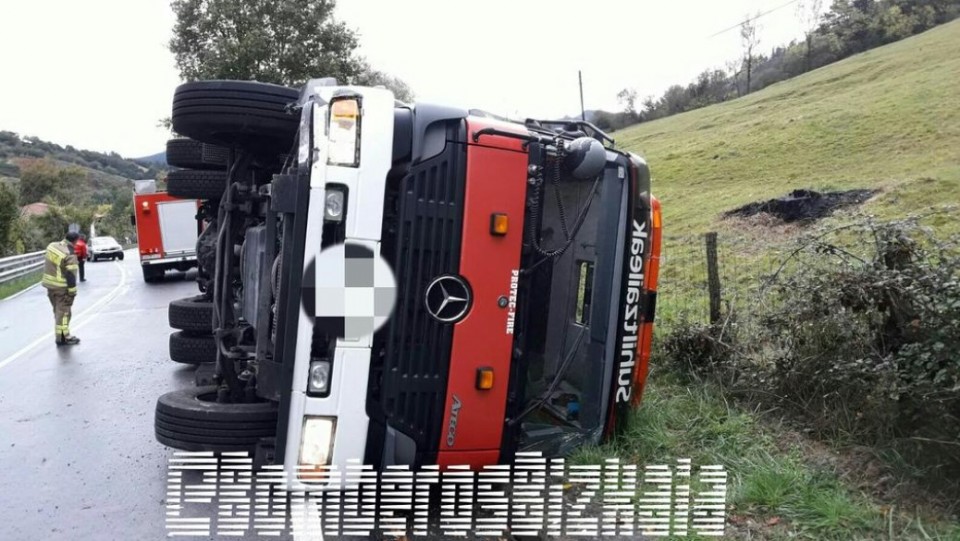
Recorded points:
(167, 230)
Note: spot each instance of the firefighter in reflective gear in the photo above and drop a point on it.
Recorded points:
(60, 279)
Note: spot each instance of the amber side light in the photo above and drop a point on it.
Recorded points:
(485, 378)
(499, 224)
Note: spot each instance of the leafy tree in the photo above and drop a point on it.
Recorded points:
(628, 101)
(42, 180)
(750, 41)
(279, 41)
(9, 212)
(371, 77)
(809, 12)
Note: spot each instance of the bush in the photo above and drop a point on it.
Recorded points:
(858, 340)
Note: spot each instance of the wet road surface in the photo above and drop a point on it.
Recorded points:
(76, 424)
(77, 447)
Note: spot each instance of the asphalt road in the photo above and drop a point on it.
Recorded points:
(77, 449)
(79, 459)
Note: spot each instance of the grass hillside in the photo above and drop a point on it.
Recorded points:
(888, 118)
(112, 166)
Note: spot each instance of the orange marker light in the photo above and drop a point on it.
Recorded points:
(499, 224)
(485, 378)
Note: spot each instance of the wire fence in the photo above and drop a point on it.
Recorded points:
(713, 275)
(705, 276)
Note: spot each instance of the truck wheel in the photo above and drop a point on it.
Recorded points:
(120, 256)
(193, 314)
(192, 349)
(150, 274)
(190, 154)
(247, 114)
(192, 420)
(194, 184)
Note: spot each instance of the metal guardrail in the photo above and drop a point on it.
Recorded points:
(16, 266)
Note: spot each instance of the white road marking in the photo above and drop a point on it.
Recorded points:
(96, 306)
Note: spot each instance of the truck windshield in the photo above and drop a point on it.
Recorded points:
(568, 334)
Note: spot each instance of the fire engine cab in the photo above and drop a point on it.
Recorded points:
(525, 257)
(167, 230)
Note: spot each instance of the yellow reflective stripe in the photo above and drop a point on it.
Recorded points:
(55, 256)
(54, 281)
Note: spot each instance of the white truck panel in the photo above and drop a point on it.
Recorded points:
(178, 226)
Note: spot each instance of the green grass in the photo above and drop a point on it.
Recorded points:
(15, 286)
(774, 490)
(888, 118)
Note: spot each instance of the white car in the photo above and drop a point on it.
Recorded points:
(104, 248)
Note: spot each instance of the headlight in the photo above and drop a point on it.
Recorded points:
(343, 132)
(316, 447)
(333, 205)
(319, 381)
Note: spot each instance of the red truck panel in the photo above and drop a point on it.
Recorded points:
(496, 183)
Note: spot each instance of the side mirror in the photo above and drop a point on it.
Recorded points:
(585, 158)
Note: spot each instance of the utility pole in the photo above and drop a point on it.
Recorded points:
(583, 113)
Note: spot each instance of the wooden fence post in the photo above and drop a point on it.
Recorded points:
(713, 277)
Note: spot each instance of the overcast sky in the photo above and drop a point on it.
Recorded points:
(96, 74)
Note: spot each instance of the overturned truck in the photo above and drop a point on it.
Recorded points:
(523, 259)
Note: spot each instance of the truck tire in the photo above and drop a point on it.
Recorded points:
(150, 273)
(192, 349)
(190, 154)
(194, 184)
(194, 314)
(246, 114)
(192, 420)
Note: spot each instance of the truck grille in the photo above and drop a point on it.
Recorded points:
(421, 240)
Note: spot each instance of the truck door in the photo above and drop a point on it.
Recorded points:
(178, 227)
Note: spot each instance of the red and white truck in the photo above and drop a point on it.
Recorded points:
(525, 257)
(167, 230)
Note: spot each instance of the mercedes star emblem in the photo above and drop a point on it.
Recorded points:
(448, 298)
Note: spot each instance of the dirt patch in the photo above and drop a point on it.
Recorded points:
(803, 205)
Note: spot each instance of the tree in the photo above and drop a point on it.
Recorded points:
(371, 77)
(809, 12)
(628, 101)
(43, 180)
(9, 212)
(285, 42)
(750, 41)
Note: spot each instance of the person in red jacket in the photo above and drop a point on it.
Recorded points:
(80, 250)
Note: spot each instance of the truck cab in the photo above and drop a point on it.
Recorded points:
(523, 260)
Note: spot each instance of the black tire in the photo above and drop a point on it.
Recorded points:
(194, 184)
(190, 154)
(251, 115)
(192, 349)
(193, 314)
(151, 273)
(120, 257)
(192, 420)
